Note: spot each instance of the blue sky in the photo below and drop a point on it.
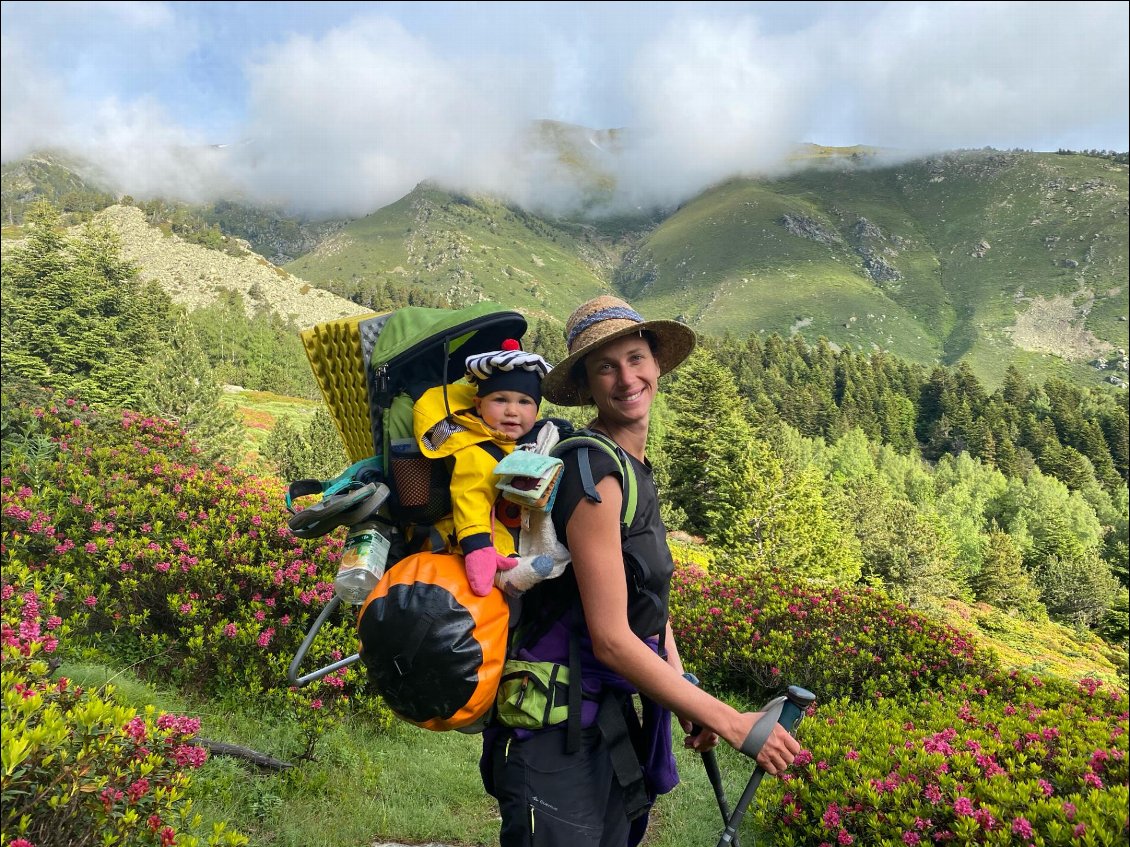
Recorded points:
(339, 108)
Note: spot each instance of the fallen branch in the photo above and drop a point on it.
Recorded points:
(219, 748)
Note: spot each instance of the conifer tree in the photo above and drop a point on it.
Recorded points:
(1002, 580)
(708, 458)
(179, 384)
(75, 315)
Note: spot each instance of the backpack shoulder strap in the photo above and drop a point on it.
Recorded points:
(584, 440)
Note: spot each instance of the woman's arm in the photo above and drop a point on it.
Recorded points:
(593, 532)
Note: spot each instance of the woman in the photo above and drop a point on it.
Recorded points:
(550, 796)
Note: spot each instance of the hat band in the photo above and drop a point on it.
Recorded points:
(613, 313)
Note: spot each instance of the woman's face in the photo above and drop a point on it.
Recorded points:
(623, 377)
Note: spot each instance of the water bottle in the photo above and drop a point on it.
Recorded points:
(362, 562)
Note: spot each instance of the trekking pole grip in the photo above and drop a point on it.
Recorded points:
(789, 709)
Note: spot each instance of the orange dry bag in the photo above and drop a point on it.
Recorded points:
(434, 649)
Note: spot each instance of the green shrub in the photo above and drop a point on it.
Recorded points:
(79, 768)
(1028, 762)
(189, 573)
(753, 631)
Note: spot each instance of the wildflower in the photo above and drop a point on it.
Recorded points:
(963, 806)
(910, 838)
(832, 817)
(1077, 832)
(851, 754)
(844, 837)
(1069, 810)
(1021, 827)
(90, 601)
(1093, 780)
(136, 729)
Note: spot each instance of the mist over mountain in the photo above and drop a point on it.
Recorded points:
(986, 257)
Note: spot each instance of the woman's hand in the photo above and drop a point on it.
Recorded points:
(779, 749)
(702, 741)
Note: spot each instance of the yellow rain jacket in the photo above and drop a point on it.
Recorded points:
(476, 449)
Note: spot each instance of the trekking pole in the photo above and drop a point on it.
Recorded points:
(785, 710)
(710, 762)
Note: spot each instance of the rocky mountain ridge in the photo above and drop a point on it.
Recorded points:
(197, 276)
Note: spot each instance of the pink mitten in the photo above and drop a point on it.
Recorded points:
(481, 567)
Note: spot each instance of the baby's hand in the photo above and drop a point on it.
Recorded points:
(481, 567)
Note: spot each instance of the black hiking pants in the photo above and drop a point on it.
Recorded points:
(550, 798)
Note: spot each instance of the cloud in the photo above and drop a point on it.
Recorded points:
(345, 118)
(31, 101)
(356, 119)
(932, 76)
(712, 100)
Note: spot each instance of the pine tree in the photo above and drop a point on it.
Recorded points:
(180, 385)
(707, 452)
(76, 317)
(1002, 580)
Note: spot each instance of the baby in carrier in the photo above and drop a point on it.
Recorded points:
(475, 423)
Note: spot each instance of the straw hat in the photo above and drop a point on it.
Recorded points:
(605, 319)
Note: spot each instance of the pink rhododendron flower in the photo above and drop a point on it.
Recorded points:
(963, 806)
(1021, 827)
(1092, 779)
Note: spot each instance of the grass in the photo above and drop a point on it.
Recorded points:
(404, 784)
(464, 248)
(1043, 648)
(1053, 225)
(260, 411)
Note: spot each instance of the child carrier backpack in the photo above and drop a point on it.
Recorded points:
(423, 629)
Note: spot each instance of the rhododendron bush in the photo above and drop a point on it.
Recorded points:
(118, 546)
(918, 736)
(78, 768)
(1023, 762)
(754, 631)
(180, 570)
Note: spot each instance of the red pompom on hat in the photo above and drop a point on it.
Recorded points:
(511, 344)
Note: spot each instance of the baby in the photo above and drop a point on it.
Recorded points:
(494, 411)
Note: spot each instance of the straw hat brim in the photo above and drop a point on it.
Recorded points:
(674, 341)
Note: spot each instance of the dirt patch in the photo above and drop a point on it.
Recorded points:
(1055, 325)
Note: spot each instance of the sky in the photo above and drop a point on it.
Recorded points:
(337, 109)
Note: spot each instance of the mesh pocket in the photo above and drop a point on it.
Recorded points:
(422, 485)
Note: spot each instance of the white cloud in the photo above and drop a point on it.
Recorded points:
(712, 100)
(939, 76)
(356, 119)
(345, 120)
(31, 113)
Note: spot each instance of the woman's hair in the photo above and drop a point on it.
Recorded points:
(580, 377)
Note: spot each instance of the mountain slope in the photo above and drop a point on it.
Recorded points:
(986, 257)
(197, 276)
(467, 249)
